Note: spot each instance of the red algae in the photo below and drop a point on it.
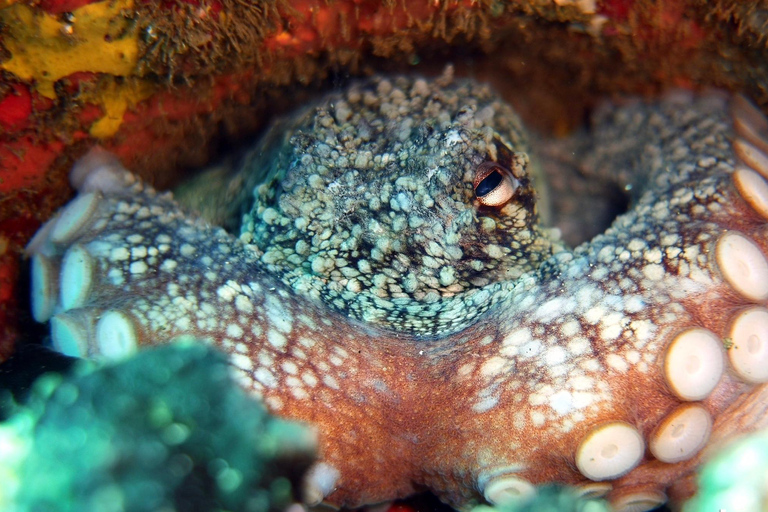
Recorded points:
(157, 82)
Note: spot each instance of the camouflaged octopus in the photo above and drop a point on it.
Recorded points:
(385, 277)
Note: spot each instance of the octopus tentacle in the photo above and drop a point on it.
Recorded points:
(614, 367)
(143, 272)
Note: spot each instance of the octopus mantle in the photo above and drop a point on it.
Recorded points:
(614, 367)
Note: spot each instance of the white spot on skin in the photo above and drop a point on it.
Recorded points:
(493, 367)
(266, 359)
(591, 365)
(561, 402)
(612, 326)
(600, 273)
(633, 356)
(653, 256)
(555, 355)
(536, 399)
(531, 349)
(116, 277)
(276, 339)
(485, 340)
(606, 254)
(226, 292)
(465, 370)
(611, 332)
(654, 272)
(278, 314)
(119, 254)
(234, 331)
(290, 367)
(309, 379)
(570, 328)
(494, 251)
(138, 267)
(579, 346)
(187, 250)
(633, 304)
(331, 382)
(452, 137)
(241, 361)
(512, 342)
(580, 383)
(243, 304)
(582, 400)
(617, 362)
(274, 403)
(669, 239)
(242, 377)
(307, 320)
(265, 377)
(486, 404)
(594, 315)
(554, 308)
(644, 330)
(168, 265)
(138, 253)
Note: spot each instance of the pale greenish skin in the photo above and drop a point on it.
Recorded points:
(367, 203)
(453, 388)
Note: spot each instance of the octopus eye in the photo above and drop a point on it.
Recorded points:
(494, 184)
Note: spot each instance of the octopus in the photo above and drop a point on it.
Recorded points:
(380, 268)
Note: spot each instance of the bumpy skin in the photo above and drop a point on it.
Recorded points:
(370, 206)
(589, 367)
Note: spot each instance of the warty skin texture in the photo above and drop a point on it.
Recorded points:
(614, 367)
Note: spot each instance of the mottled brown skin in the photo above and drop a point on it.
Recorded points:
(507, 399)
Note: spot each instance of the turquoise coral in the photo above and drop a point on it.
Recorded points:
(165, 430)
(735, 479)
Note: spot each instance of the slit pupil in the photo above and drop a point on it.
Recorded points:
(489, 183)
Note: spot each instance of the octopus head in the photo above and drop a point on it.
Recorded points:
(398, 203)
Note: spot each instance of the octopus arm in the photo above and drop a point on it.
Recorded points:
(619, 365)
(122, 266)
(615, 367)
